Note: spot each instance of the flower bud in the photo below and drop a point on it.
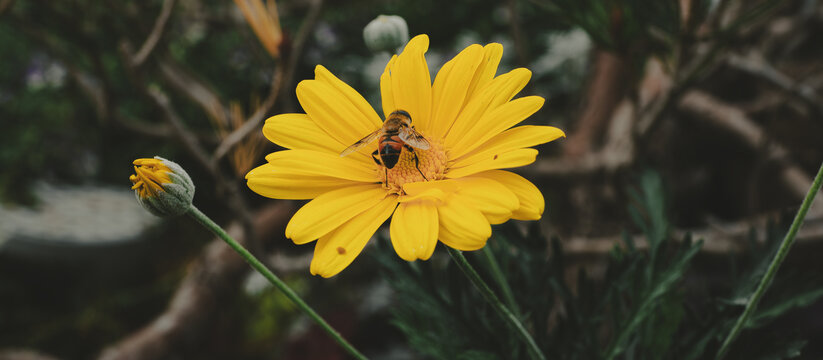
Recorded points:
(386, 33)
(162, 187)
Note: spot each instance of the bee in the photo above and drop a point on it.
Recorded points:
(396, 134)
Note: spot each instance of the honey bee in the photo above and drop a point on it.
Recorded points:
(396, 134)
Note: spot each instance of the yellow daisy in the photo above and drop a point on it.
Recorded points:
(467, 116)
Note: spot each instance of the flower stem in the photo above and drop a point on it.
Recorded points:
(508, 295)
(263, 270)
(772, 270)
(492, 299)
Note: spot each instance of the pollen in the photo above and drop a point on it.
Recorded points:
(431, 164)
(149, 176)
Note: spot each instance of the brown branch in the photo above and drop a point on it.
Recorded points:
(213, 279)
(24, 354)
(190, 142)
(303, 35)
(618, 151)
(604, 91)
(154, 36)
(720, 238)
(192, 88)
(284, 74)
(253, 123)
(756, 65)
(735, 121)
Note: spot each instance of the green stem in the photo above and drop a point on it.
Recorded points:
(772, 270)
(508, 295)
(262, 269)
(492, 299)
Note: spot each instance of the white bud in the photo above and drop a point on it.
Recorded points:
(386, 33)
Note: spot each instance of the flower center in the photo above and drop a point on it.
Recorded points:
(431, 164)
(149, 175)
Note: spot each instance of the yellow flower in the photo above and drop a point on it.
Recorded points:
(162, 187)
(466, 115)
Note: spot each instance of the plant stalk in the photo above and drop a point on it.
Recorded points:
(263, 270)
(772, 270)
(492, 299)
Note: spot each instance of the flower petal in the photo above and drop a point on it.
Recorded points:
(494, 200)
(450, 88)
(386, 93)
(492, 53)
(498, 91)
(330, 210)
(413, 230)
(354, 97)
(268, 181)
(494, 122)
(297, 131)
(411, 82)
(337, 249)
(532, 203)
(317, 163)
(511, 159)
(512, 139)
(462, 226)
(333, 112)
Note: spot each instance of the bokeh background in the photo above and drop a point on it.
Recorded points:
(721, 99)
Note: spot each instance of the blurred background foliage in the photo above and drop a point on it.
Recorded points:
(712, 105)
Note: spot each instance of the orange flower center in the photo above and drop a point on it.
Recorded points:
(430, 163)
(149, 176)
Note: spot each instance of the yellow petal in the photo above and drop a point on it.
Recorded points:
(353, 97)
(511, 159)
(492, 53)
(462, 226)
(450, 88)
(436, 191)
(512, 139)
(385, 88)
(266, 180)
(411, 82)
(494, 200)
(317, 163)
(413, 230)
(330, 210)
(337, 249)
(333, 112)
(532, 203)
(297, 131)
(498, 91)
(494, 122)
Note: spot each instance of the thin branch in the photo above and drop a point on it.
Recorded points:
(154, 36)
(253, 123)
(756, 65)
(213, 280)
(188, 139)
(303, 35)
(192, 88)
(618, 152)
(283, 75)
(735, 121)
(720, 238)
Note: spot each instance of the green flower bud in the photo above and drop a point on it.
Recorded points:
(162, 187)
(386, 33)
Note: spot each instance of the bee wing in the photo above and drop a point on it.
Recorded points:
(361, 143)
(415, 139)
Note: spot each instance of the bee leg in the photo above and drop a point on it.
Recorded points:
(416, 161)
(375, 156)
